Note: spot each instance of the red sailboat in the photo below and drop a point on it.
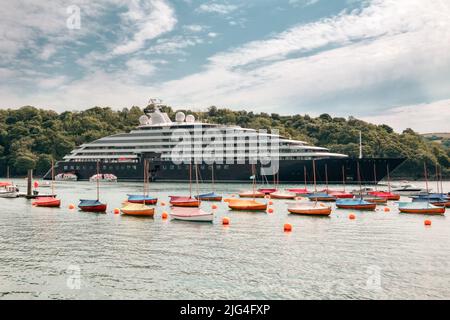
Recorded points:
(93, 205)
(383, 194)
(183, 201)
(48, 201)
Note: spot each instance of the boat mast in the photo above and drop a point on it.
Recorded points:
(426, 180)
(440, 175)
(360, 145)
(304, 174)
(375, 175)
(53, 179)
(326, 177)
(389, 178)
(359, 180)
(437, 178)
(190, 179)
(314, 172)
(145, 178)
(196, 180)
(212, 178)
(254, 179)
(98, 180)
(343, 176)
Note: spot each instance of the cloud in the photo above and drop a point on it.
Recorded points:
(424, 118)
(174, 45)
(140, 67)
(219, 8)
(194, 28)
(147, 20)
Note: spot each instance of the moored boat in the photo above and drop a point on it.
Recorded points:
(339, 194)
(267, 190)
(178, 201)
(251, 194)
(212, 196)
(66, 177)
(191, 214)
(283, 195)
(92, 206)
(298, 191)
(312, 209)
(50, 202)
(136, 198)
(420, 208)
(385, 194)
(355, 204)
(103, 177)
(137, 209)
(321, 197)
(245, 205)
(374, 199)
(8, 191)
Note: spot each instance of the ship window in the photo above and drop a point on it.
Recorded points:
(134, 168)
(219, 167)
(226, 167)
(105, 168)
(164, 167)
(72, 168)
(172, 167)
(65, 167)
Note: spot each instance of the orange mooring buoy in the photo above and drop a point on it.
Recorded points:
(270, 203)
(427, 222)
(164, 215)
(387, 209)
(71, 206)
(162, 203)
(116, 211)
(226, 221)
(214, 206)
(287, 227)
(270, 210)
(352, 217)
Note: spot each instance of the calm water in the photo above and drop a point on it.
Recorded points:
(62, 253)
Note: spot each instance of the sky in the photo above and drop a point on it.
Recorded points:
(384, 61)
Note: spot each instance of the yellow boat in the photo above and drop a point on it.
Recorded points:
(246, 205)
(137, 209)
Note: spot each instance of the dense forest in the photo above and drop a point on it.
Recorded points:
(31, 137)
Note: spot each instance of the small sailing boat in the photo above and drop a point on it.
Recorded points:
(93, 205)
(191, 214)
(356, 204)
(248, 205)
(309, 208)
(8, 191)
(49, 201)
(183, 201)
(320, 196)
(135, 198)
(338, 194)
(420, 208)
(375, 199)
(105, 177)
(139, 208)
(143, 198)
(300, 191)
(251, 194)
(211, 196)
(424, 206)
(383, 194)
(280, 194)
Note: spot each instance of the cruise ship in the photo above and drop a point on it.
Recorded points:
(227, 152)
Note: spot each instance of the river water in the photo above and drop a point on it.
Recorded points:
(66, 254)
